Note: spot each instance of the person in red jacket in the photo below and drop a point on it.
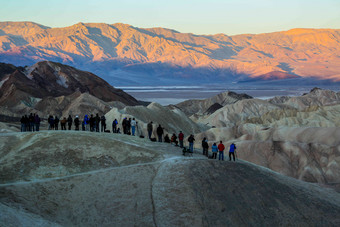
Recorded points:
(181, 138)
(221, 151)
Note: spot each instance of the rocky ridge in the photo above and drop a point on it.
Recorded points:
(81, 178)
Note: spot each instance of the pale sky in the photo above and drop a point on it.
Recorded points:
(189, 16)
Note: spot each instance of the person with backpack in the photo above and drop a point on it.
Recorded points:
(69, 122)
(114, 126)
(214, 150)
(133, 126)
(160, 133)
(205, 146)
(191, 140)
(180, 138)
(232, 151)
(221, 151)
(150, 128)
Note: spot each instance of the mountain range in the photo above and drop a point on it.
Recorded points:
(124, 54)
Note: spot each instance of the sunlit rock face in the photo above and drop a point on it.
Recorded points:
(83, 178)
(53, 88)
(160, 52)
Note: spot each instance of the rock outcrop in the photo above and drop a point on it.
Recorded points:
(172, 120)
(81, 178)
(53, 88)
(199, 107)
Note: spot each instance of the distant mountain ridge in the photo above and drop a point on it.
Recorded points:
(131, 54)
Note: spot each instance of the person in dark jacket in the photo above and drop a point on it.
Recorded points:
(63, 123)
(102, 123)
(191, 140)
(124, 124)
(37, 122)
(51, 122)
(31, 122)
(205, 146)
(76, 123)
(174, 139)
(166, 139)
(160, 133)
(97, 122)
(150, 129)
(181, 138)
(114, 126)
(23, 124)
(92, 123)
(56, 123)
(69, 122)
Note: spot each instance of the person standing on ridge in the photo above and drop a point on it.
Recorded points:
(214, 150)
(114, 126)
(102, 123)
(97, 122)
(56, 123)
(160, 133)
(133, 126)
(221, 151)
(124, 124)
(76, 123)
(86, 122)
(205, 146)
(69, 122)
(181, 138)
(191, 140)
(150, 128)
(232, 151)
(63, 123)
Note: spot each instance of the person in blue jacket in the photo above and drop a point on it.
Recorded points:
(214, 151)
(232, 151)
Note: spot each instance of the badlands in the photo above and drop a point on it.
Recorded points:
(287, 172)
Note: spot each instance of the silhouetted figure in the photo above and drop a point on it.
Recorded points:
(51, 122)
(69, 122)
(56, 123)
(31, 122)
(128, 126)
(63, 123)
(37, 121)
(160, 133)
(166, 139)
(191, 140)
(102, 124)
(92, 123)
(76, 123)
(97, 122)
(124, 125)
(150, 128)
(181, 138)
(23, 124)
(205, 146)
(174, 139)
(114, 126)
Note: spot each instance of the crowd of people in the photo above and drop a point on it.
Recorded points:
(98, 124)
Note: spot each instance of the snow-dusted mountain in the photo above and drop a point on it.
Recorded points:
(122, 53)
